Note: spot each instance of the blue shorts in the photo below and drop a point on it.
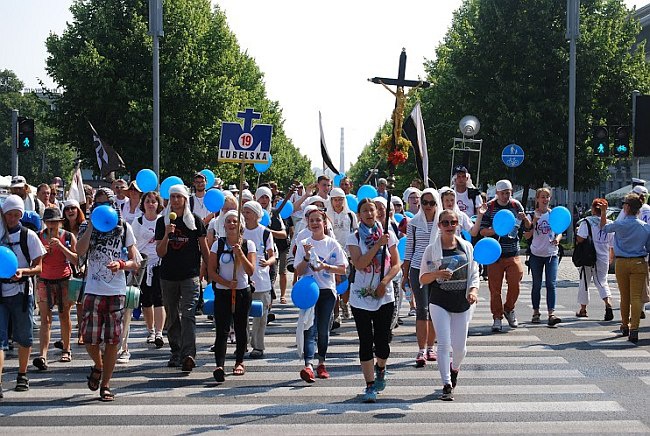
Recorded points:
(22, 322)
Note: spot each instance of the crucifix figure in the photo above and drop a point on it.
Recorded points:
(398, 121)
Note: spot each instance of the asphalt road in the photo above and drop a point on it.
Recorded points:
(577, 378)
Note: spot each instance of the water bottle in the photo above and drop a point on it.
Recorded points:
(515, 229)
(407, 291)
(314, 261)
(453, 263)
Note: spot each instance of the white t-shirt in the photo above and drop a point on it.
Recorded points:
(297, 212)
(261, 278)
(542, 237)
(35, 248)
(122, 204)
(602, 241)
(464, 223)
(465, 204)
(128, 216)
(344, 224)
(226, 263)
(99, 279)
(145, 236)
(328, 251)
(199, 206)
(368, 278)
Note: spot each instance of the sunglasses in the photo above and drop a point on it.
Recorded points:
(447, 223)
(65, 209)
(428, 203)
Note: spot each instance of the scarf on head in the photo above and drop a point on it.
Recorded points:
(188, 216)
(370, 236)
(420, 219)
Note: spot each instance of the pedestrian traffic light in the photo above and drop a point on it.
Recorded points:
(622, 141)
(25, 134)
(601, 141)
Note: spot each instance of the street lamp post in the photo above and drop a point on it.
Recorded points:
(572, 34)
(156, 31)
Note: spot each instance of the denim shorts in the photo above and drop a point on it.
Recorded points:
(22, 322)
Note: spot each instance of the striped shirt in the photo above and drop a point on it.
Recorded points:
(509, 246)
(415, 251)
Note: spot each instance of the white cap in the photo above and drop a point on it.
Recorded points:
(13, 202)
(641, 190)
(504, 184)
(336, 193)
(246, 195)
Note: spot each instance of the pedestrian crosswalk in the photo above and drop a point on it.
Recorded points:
(525, 380)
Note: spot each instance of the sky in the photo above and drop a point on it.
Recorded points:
(316, 56)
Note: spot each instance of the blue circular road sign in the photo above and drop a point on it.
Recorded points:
(512, 155)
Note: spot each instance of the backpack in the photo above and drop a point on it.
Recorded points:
(221, 248)
(584, 253)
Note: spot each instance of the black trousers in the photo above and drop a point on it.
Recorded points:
(223, 317)
(373, 328)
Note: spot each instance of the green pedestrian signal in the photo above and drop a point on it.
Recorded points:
(601, 141)
(25, 134)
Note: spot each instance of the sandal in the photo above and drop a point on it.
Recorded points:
(80, 341)
(582, 313)
(66, 356)
(239, 369)
(105, 394)
(94, 378)
(283, 300)
(219, 375)
(40, 363)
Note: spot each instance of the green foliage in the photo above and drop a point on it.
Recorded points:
(103, 61)
(50, 158)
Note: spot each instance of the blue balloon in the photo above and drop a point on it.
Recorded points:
(209, 178)
(353, 203)
(262, 167)
(560, 219)
(401, 247)
(32, 219)
(305, 293)
(208, 300)
(8, 263)
(214, 200)
(266, 218)
(147, 180)
(337, 180)
(466, 235)
(286, 210)
(257, 308)
(366, 191)
(104, 218)
(168, 183)
(342, 287)
(409, 214)
(487, 251)
(503, 222)
(398, 217)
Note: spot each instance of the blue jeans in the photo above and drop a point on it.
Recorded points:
(11, 308)
(537, 264)
(321, 326)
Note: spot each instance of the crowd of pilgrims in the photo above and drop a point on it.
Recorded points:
(177, 247)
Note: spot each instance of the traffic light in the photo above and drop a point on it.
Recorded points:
(622, 141)
(25, 134)
(601, 141)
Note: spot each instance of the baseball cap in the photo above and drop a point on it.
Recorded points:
(460, 169)
(641, 190)
(18, 182)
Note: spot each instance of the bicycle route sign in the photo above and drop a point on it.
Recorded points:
(512, 155)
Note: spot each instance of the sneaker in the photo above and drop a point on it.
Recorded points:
(511, 318)
(346, 311)
(321, 372)
(609, 313)
(256, 354)
(231, 337)
(431, 355)
(370, 396)
(454, 376)
(400, 321)
(420, 361)
(642, 316)
(412, 312)
(151, 338)
(270, 318)
(123, 357)
(535, 319)
(336, 323)
(307, 374)
(22, 383)
(447, 393)
(380, 379)
(634, 336)
(158, 340)
(553, 320)
(188, 364)
(625, 331)
(174, 362)
(496, 326)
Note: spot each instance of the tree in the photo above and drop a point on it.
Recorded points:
(50, 158)
(103, 62)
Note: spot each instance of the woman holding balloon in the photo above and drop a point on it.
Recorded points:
(418, 234)
(543, 256)
(371, 296)
(226, 253)
(318, 257)
(448, 267)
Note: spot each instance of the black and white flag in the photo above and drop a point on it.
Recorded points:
(107, 158)
(414, 131)
(323, 149)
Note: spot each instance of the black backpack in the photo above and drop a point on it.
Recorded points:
(584, 253)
